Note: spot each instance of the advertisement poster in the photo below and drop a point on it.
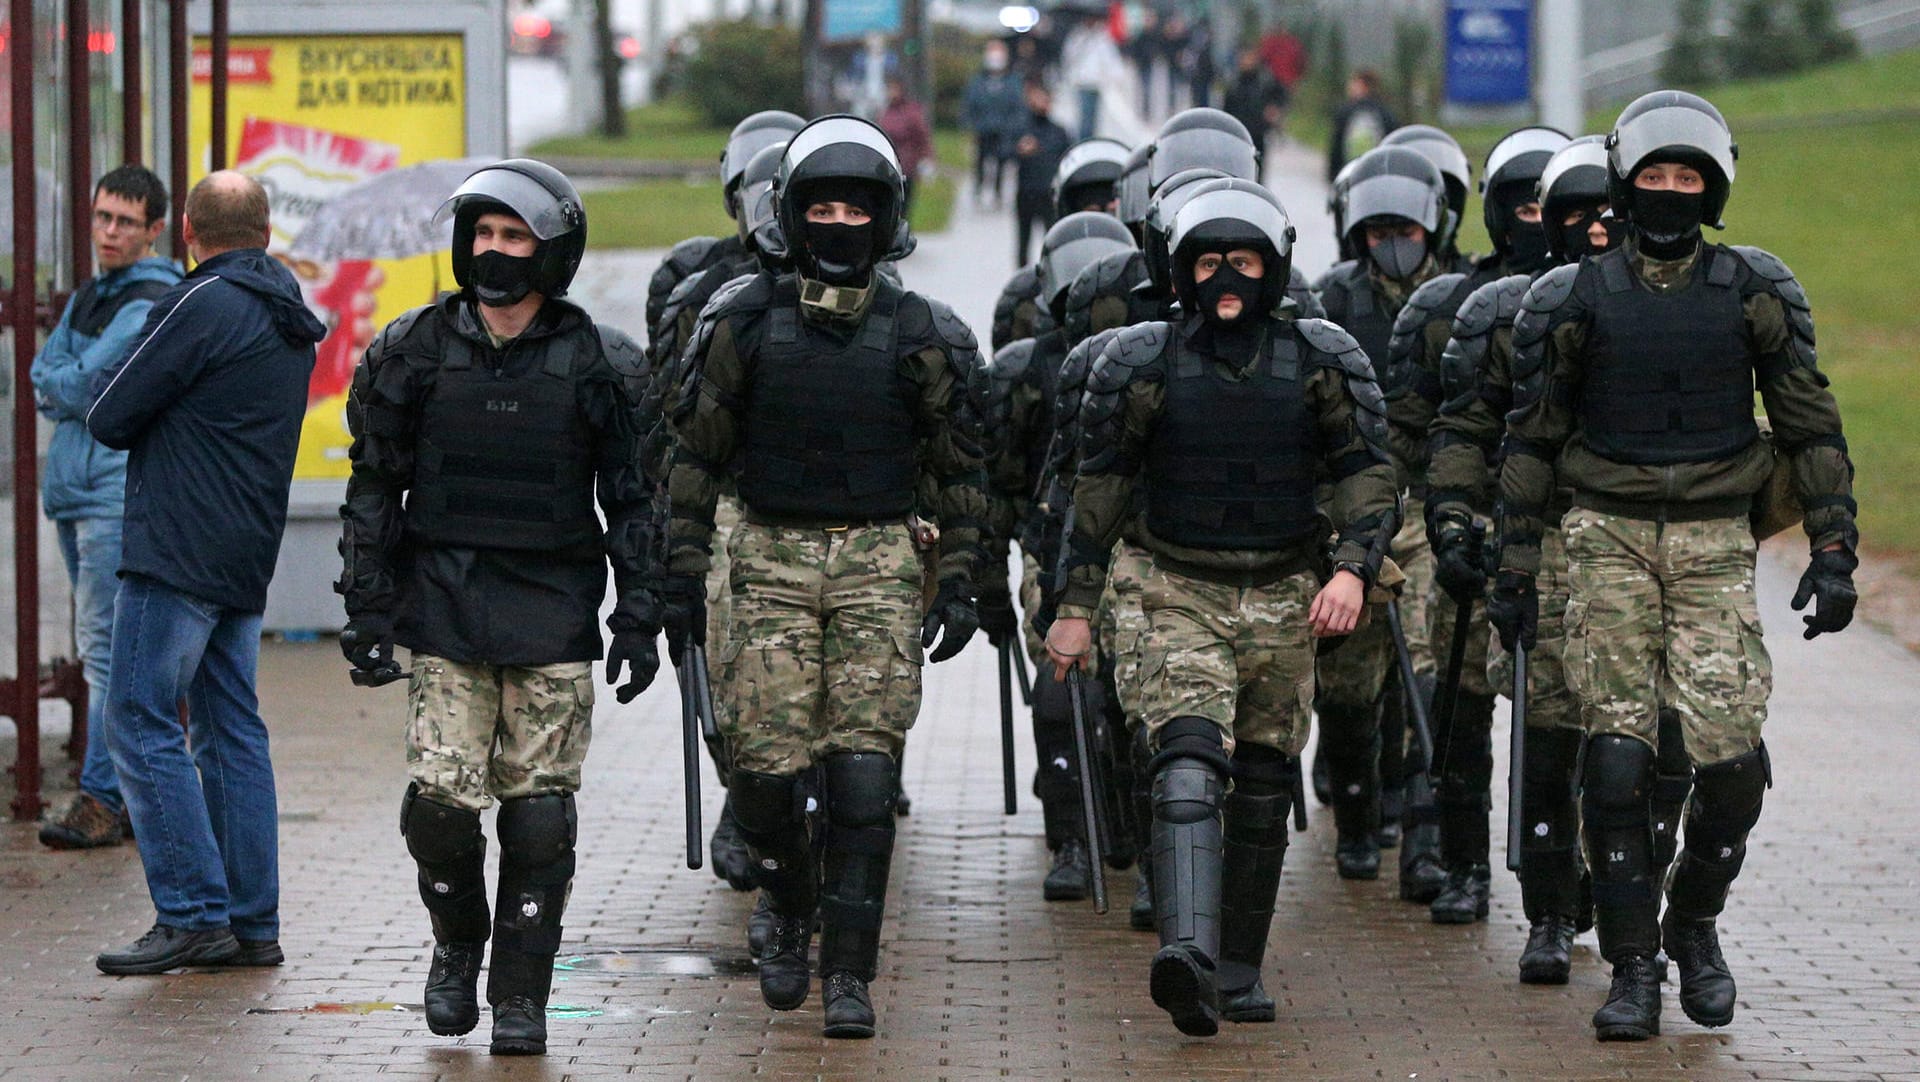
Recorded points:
(310, 117)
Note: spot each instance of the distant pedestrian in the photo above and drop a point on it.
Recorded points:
(1196, 59)
(1284, 56)
(1360, 123)
(992, 110)
(904, 120)
(208, 402)
(84, 489)
(1040, 146)
(1255, 98)
(1089, 62)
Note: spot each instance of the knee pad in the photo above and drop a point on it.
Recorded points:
(439, 833)
(861, 788)
(1726, 804)
(538, 831)
(763, 804)
(1191, 738)
(1186, 790)
(1259, 770)
(1617, 782)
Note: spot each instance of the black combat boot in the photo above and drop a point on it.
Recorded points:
(1466, 773)
(1255, 816)
(727, 851)
(1422, 873)
(1549, 855)
(1350, 738)
(1140, 912)
(1187, 841)
(1393, 762)
(771, 814)
(859, 852)
(536, 868)
(1726, 805)
(1614, 799)
(1057, 784)
(451, 854)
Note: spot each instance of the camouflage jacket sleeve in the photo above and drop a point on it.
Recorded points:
(1351, 414)
(625, 487)
(949, 376)
(387, 388)
(705, 416)
(1125, 393)
(1476, 391)
(1549, 366)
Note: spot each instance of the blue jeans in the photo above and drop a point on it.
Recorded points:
(91, 547)
(207, 823)
(1089, 111)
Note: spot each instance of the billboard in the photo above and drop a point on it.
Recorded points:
(1489, 52)
(309, 117)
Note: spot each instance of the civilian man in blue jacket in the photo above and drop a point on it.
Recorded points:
(84, 487)
(208, 401)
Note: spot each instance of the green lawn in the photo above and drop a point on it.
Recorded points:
(661, 213)
(670, 131)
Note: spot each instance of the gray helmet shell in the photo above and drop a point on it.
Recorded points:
(537, 194)
(1672, 125)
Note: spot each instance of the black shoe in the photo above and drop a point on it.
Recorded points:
(1422, 876)
(1548, 958)
(165, 947)
(902, 803)
(1358, 858)
(1706, 984)
(1465, 898)
(760, 926)
(849, 1010)
(1322, 777)
(784, 973)
(1249, 1004)
(1071, 876)
(453, 1000)
(519, 1028)
(1182, 985)
(257, 952)
(1632, 1010)
(727, 851)
(1140, 913)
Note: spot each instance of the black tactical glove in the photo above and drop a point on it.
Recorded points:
(1457, 552)
(997, 618)
(685, 600)
(367, 643)
(952, 619)
(636, 651)
(1829, 580)
(1514, 609)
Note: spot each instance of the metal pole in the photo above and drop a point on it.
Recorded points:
(217, 110)
(131, 99)
(179, 78)
(79, 141)
(25, 707)
(1561, 90)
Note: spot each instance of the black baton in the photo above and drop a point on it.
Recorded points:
(1517, 751)
(1089, 801)
(1416, 706)
(1007, 786)
(690, 664)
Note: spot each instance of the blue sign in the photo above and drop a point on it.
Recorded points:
(1489, 52)
(855, 19)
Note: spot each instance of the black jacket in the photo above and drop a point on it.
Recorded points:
(1037, 168)
(209, 400)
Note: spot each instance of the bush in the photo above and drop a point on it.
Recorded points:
(1820, 31)
(1691, 56)
(740, 68)
(956, 56)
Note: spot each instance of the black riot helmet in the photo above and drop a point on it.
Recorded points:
(537, 194)
(1337, 207)
(1444, 152)
(756, 200)
(1202, 139)
(1226, 214)
(841, 158)
(1087, 174)
(1512, 173)
(750, 137)
(1394, 182)
(1672, 126)
(1073, 244)
(1167, 200)
(1134, 191)
(1575, 178)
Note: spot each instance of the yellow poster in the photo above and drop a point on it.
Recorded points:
(310, 117)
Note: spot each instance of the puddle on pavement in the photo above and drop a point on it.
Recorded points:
(380, 1006)
(665, 963)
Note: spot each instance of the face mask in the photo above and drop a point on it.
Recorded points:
(501, 280)
(1527, 247)
(996, 62)
(1399, 257)
(1668, 217)
(1227, 280)
(843, 253)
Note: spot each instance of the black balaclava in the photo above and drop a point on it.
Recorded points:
(1238, 338)
(842, 253)
(1573, 238)
(501, 280)
(1668, 221)
(1526, 241)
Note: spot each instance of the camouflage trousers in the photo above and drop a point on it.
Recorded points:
(1030, 603)
(1419, 598)
(1123, 624)
(480, 733)
(823, 646)
(1355, 674)
(1665, 613)
(726, 517)
(1550, 704)
(1241, 657)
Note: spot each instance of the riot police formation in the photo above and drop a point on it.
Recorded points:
(826, 577)
(1633, 380)
(484, 427)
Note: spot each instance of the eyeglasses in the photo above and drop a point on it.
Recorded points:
(116, 223)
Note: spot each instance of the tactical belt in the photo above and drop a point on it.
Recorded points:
(806, 522)
(1287, 564)
(1665, 510)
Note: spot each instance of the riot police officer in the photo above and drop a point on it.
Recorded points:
(1634, 376)
(483, 427)
(1443, 150)
(836, 397)
(1227, 417)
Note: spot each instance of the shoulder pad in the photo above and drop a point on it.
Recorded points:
(1769, 267)
(1428, 303)
(1131, 350)
(691, 254)
(622, 352)
(1336, 273)
(1303, 296)
(1079, 363)
(1335, 348)
(1023, 286)
(1491, 306)
(687, 286)
(1331, 339)
(1551, 290)
(948, 325)
(746, 293)
(391, 337)
(1010, 365)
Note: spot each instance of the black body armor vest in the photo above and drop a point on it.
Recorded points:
(1670, 375)
(1231, 464)
(506, 462)
(829, 428)
(1364, 316)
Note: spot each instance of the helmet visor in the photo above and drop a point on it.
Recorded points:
(1672, 126)
(1395, 196)
(546, 215)
(1201, 148)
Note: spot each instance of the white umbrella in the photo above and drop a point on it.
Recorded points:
(387, 216)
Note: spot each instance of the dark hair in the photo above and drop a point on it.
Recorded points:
(227, 216)
(1369, 78)
(139, 184)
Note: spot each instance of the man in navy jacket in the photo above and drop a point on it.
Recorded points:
(208, 400)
